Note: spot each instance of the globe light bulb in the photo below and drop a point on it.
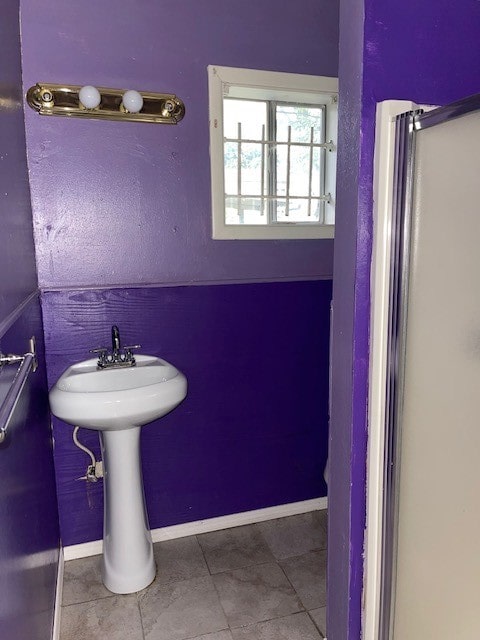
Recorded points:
(132, 101)
(90, 97)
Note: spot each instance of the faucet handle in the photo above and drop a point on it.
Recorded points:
(129, 357)
(102, 355)
(99, 350)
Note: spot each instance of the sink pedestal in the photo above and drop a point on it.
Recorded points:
(111, 400)
(128, 564)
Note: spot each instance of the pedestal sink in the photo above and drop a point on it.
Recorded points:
(117, 402)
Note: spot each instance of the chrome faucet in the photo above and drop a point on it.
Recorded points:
(115, 339)
(117, 357)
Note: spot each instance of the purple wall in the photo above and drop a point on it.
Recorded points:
(345, 300)
(426, 52)
(18, 277)
(145, 190)
(120, 204)
(28, 508)
(252, 432)
(30, 536)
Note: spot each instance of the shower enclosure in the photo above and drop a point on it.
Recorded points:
(423, 520)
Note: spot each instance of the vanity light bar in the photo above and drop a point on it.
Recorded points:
(114, 104)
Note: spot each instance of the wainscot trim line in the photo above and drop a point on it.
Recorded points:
(14, 315)
(75, 551)
(187, 283)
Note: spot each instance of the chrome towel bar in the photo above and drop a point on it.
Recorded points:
(28, 362)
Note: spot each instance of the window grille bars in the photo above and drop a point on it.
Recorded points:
(329, 146)
(266, 145)
(287, 190)
(310, 171)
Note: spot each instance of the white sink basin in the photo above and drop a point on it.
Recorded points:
(115, 399)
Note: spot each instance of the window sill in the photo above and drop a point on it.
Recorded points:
(277, 232)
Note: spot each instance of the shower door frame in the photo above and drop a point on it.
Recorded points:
(398, 123)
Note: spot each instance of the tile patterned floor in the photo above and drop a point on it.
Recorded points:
(265, 581)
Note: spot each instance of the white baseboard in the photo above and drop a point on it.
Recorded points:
(58, 597)
(205, 526)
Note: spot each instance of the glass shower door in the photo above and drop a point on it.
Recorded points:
(434, 528)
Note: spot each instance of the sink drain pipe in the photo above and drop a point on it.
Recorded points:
(95, 469)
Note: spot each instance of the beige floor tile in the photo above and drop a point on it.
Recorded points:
(308, 575)
(114, 618)
(319, 616)
(234, 548)
(179, 560)
(296, 535)
(256, 593)
(180, 610)
(219, 635)
(82, 581)
(248, 589)
(294, 627)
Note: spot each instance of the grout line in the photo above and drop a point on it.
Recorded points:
(210, 633)
(212, 576)
(315, 624)
(290, 583)
(221, 604)
(203, 555)
(302, 609)
(141, 617)
(248, 566)
(260, 533)
(282, 617)
(73, 604)
(300, 555)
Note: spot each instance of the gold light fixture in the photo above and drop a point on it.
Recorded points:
(106, 104)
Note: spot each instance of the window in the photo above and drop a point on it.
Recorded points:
(273, 154)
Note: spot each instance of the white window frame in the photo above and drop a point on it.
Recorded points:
(268, 85)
